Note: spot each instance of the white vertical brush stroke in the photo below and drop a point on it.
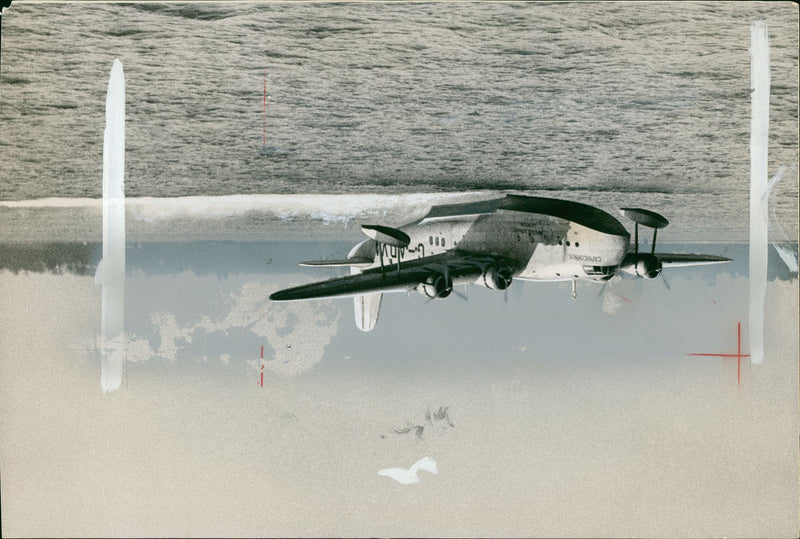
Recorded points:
(111, 270)
(759, 189)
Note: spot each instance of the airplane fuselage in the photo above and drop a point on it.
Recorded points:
(555, 249)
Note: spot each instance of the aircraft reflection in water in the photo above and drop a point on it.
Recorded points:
(491, 243)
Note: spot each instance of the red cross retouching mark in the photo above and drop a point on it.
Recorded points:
(738, 355)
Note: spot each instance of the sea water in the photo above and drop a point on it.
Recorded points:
(612, 104)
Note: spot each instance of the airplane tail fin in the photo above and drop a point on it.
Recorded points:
(367, 308)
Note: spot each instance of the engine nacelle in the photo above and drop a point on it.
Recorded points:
(496, 278)
(642, 265)
(436, 286)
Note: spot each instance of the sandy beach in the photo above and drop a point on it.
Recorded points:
(595, 446)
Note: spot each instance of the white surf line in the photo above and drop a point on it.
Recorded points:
(325, 207)
(759, 189)
(111, 270)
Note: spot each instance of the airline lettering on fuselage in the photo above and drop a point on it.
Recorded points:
(585, 258)
(390, 251)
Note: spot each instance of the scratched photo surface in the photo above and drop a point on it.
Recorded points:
(524, 412)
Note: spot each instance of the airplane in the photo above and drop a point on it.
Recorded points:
(492, 243)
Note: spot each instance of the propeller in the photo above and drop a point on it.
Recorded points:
(664, 280)
(645, 265)
(438, 284)
(450, 282)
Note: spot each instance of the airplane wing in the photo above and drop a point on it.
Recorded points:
(459, 266)
(346, 262)
(674, 260)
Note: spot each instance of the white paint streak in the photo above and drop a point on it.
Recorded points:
(111, 270)
(759, 188)
(788, 256)
(408, 477)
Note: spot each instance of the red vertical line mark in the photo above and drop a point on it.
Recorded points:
(262, 365)
(739, 354)
(720, 355)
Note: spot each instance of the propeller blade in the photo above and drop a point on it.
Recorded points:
(665, 281)
(602, 289)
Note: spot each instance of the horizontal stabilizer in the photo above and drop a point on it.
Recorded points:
(645, 217)
(674, 260)
(352, 262)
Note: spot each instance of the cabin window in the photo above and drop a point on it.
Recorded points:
(559, 242)
(567, 243)
(577, 244)
(442, 242)
(437, 241)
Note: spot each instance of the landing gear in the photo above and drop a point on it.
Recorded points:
(384, 235)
